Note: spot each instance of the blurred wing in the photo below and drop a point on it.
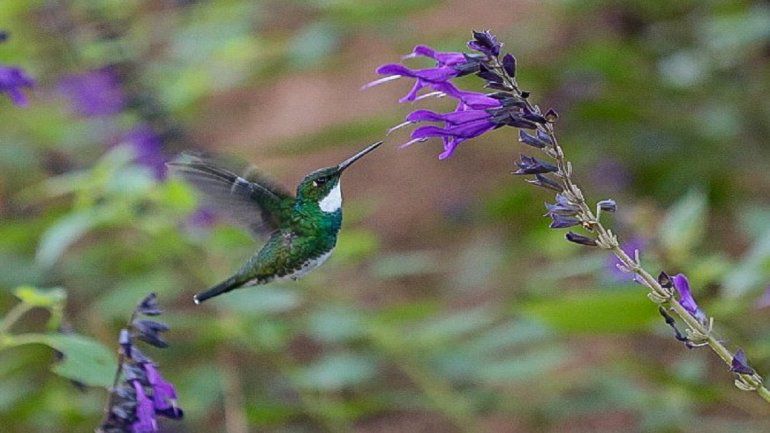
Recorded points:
(251, 204)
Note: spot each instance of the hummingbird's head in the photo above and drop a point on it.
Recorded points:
(323, 186)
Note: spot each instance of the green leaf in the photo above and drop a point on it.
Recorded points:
(684, 225)
(62, 235)
(751, 272)
(595, 312)
(40, 298)
(84, 360)
(337, 371)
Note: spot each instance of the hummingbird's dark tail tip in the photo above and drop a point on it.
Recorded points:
(217, 290)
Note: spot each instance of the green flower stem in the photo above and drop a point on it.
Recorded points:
(698, 333)
(13, 316)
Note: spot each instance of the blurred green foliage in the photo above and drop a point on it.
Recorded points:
(477, 318)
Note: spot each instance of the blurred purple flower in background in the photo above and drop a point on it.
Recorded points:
(13, 79)
(94, 93)
(629, 247)
(148, 148)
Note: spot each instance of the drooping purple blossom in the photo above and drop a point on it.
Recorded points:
(559, 221)
(12, 81)
(94, 93)
(532, 165)
(686, 300)
(147, 147)
(448, 65)
(145, 413)
(459, 126)
(740, 364)
(163, 392)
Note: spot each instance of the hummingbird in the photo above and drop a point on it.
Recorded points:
(301, 230)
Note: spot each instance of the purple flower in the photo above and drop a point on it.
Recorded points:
(424, 77)
(145, 413)
(94, 93)
(740, 364)
(442, 58)
(12, 80)
(459, 126)
(147, 146)
(682, 286)
(562, 206)
(448, 65)
(468, 100)
(163, 392)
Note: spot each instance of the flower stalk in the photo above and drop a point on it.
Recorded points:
(697, 332)
(478, 113)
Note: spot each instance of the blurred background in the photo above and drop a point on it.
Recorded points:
(448, 305)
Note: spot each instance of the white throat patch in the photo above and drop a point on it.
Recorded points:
(332, 202)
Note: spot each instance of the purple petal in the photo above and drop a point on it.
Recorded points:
(145, 413)
(473, 100)
(395, 69)
(686, 300)
(449, 147)
(443, 58)
(465, 130)
(412, 95)
(163, 392)
(425, 116)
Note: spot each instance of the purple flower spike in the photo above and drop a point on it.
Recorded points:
(145, 413)
(682, 286)
(740, 364)
(94, 93)
(12, 80)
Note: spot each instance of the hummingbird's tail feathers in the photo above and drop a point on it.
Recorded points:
(223, 287)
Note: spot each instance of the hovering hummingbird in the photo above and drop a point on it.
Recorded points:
(302, 230)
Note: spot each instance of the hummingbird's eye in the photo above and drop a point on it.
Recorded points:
(320, 181)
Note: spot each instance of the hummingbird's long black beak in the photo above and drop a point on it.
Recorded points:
(346, 163)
